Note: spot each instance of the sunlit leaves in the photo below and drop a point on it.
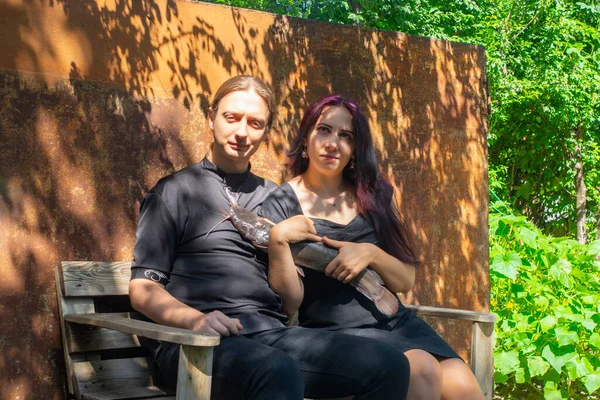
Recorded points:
(548, 308)
(506, 361)
(537, 366)
(592, 382)
(551, 392)
(557, 361)
(595, 340)
(548, 322)
(506, 265)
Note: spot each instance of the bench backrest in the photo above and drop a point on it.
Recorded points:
(101, 363)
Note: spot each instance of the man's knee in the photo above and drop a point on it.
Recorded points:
(388, 368)
(281, 367)
(382, 357)
(279, 377)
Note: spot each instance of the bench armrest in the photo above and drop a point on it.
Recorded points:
(150, 330)
(474, 316)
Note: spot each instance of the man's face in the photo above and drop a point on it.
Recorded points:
(239, 126)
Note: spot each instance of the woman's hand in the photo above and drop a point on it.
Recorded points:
(295, 229)
(351, 260)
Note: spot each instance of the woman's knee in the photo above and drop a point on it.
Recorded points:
(424, 365)
(459, 382)
(425, 375)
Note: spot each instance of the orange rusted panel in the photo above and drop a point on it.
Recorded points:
(99, 99)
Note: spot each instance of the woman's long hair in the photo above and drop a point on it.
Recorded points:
(375, 194)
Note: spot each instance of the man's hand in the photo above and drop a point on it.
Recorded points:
(295, 229)
(351, 260)
(218, 323)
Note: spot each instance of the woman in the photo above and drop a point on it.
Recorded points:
(338, 196)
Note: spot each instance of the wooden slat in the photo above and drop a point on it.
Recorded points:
(95, 278)
(73, 306)
(482, 357)
(146, 329)
(116, 379)
(88, 338)
(474, 316)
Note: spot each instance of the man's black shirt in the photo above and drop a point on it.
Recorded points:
(207, 271)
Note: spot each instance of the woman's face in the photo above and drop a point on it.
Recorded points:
(330, 145)
(239, 125)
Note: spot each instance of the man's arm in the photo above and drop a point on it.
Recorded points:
(152, 299)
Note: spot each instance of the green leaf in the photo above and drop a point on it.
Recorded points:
(500, 378)
(548, 322)
(594, 248)
(560, 271)
(589, 325)
(577, 367)
(541, 302)
(595, 340)
(506, 265)
(520, 375)
(592, 382)
(551, 392)
(565, 336)
(506, 361)
(572, 50)
(590, 299)
(557, 362)
(537, 366)
(528, 237)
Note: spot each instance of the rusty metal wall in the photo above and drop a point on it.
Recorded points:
(99, 99)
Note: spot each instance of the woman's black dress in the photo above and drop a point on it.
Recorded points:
(333, 305)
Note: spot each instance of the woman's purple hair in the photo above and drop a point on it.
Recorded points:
(375, 194)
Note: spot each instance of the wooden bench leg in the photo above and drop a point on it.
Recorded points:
(482, 356)
(194, 376)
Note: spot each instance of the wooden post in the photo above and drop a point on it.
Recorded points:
(194, 373)
(482, 356)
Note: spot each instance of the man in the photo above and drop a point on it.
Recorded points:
(188, 275)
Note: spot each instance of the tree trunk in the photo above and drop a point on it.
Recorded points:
(581, 190)
(355, 5)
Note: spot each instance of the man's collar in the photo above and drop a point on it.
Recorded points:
(209, 165)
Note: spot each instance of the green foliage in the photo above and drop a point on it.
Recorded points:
(546, 293)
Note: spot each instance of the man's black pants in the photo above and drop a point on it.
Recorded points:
(290, 363)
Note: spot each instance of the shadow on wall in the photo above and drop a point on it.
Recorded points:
(91, 120)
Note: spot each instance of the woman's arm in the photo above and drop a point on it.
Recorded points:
(354, 257)
(283, 275)
(397, 275)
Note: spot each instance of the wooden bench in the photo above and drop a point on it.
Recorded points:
(104, 359)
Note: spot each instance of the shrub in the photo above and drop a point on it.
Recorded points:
(546, 293)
